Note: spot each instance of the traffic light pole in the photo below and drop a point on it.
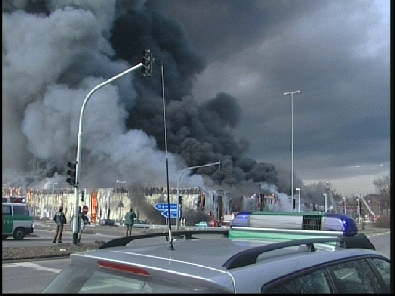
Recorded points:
(179, 205)
(78, 160)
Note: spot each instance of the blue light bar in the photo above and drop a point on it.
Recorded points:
(298, 220)
(349, 227)
(242, 219)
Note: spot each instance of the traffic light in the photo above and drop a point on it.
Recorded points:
(82, 195)
(71, 172)
(180, 199)
(147, 62)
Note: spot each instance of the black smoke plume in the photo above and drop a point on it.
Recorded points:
(70, 47)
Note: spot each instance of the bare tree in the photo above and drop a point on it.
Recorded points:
(383, 185)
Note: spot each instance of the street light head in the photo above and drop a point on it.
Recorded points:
(297, 92)
(287, 93)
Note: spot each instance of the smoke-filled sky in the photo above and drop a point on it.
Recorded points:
(226, 67)
(336, 52)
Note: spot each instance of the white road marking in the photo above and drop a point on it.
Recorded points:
(108, 235)
(32, 265)
(376, 234)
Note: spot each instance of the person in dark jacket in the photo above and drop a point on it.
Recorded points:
(129, 221)
(60, 220)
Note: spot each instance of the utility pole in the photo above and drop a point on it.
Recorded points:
(292, 138)
(146, 57)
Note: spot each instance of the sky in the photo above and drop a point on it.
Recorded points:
(337, 53)
(227, 65)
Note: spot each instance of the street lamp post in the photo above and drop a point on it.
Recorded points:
(292, 138)
(298, 190)
(120, 199)
(78, 159)
(53, 193)
(326, 202)
(178, 187)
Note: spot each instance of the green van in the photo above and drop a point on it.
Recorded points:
(17, 220)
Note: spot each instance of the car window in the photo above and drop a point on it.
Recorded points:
(312, 283)
(21, 211)
(384, 269)
(100, 282)
(77, 279)
(355, 277)
(6, 210)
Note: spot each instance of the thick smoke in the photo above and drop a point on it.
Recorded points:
(55, 52)
(284, 203)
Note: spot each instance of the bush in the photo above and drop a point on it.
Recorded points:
(383, 222)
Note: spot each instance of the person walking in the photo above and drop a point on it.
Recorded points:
(60, 220)
(83, 221)
(129, 221)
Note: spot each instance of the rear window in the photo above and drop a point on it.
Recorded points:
(78, 279)
(21, 211)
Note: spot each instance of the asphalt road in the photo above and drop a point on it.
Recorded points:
(381, 241)
(44, 232)
(32, 276)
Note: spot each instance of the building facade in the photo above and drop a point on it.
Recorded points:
(113, 203)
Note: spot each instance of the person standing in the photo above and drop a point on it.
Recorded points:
(60, 220)
(83, 221)
(129, 221)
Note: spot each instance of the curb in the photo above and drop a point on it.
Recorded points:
(41, 252)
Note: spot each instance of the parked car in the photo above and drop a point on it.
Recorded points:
(108, 222)
(220, 260)
(17, 220)
(141, 224)
(201, 224)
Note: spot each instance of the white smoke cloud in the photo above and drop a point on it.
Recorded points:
(285, 203)
(50, 63)
(37, 51)
(104, 11)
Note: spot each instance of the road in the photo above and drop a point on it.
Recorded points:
(45, 231)
(381, 241)
(30, 277)
(34, 275)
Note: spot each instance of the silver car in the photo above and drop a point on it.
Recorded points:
(228, 261)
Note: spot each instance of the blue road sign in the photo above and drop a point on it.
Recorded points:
(173, 214)
(165, 207)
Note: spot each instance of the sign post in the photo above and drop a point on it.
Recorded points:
(164, 209)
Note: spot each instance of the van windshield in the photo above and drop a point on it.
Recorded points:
(21, 211)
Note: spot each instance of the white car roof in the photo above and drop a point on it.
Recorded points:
(203, 259)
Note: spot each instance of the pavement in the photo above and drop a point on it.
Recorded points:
(370, 230)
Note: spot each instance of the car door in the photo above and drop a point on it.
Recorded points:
(7, 219)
